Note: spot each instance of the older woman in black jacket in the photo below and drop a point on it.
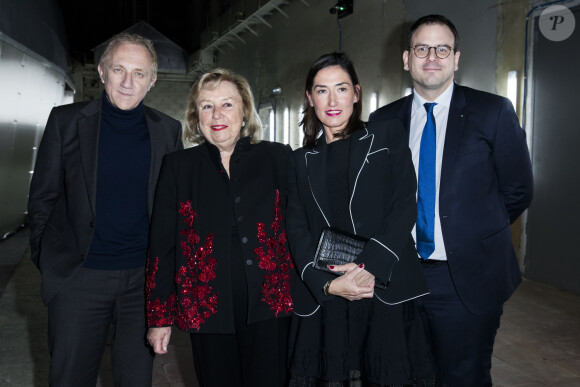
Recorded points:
(219, 265)
(359, 178)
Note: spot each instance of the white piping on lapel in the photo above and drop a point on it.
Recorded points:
(392, 252)
(303, 270)
(366, 160)
(350, 207)
(308, 315)
(314, 152)
(400, 302)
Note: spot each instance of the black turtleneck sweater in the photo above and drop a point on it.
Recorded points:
(122, 221)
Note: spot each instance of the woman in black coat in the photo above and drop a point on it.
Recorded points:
(219, 265)
(363, 324)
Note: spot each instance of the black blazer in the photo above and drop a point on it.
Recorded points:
(382, 207)
(61, 205)
(486, 183)
(191, 254)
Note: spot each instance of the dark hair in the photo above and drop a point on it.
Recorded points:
(311, 125)
(434, 19)
(210, 80)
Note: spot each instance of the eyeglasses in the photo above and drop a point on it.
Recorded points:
(422, 51)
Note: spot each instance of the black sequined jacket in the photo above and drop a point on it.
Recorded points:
(196, 205)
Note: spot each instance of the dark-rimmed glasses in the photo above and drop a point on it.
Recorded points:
(442, 51)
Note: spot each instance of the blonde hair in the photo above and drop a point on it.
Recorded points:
(253, 127)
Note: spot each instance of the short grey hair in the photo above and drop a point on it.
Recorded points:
(139, 40)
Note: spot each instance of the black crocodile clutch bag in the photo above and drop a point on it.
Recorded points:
(337, 247)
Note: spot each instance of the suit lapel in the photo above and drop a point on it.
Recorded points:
(88, 135)
(455, 124)
(404, 113)
(315, 160)
(360, 146)
(157, 139)
(316, 166)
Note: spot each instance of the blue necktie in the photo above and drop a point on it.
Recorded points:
(426, 188)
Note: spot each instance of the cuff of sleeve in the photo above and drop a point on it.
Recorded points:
(378, 261)
(315, 280)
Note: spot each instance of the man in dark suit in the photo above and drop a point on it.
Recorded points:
(474, 180)
(90, 200)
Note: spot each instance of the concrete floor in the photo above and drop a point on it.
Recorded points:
(538, 343)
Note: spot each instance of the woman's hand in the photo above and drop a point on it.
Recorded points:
(355, 284)
(159, 339)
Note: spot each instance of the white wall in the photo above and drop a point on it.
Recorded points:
(476, 22)
(281, 56)
(29, 90)
(373, 36)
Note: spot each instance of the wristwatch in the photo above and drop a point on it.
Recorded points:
(325, 288)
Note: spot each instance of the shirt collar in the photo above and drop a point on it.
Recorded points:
(444, 100)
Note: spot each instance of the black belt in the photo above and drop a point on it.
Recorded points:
(431, 262)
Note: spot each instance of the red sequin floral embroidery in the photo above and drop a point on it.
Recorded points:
(197, 299)
(159, 313)
(277, 262)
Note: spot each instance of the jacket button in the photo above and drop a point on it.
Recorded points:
(82, 257)
(244, 240)
(249, 262)
(238, 199)
(240, 218)
(92, 224)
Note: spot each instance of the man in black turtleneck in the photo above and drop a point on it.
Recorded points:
(89, 206)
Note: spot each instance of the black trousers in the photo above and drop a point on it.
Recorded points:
(253, 357)
(79, 321)
(462, 341)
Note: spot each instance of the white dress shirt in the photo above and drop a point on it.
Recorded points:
(418, 120)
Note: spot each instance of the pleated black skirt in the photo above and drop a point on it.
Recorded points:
(364, 340)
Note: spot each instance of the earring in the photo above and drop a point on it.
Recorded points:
(243, 123)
